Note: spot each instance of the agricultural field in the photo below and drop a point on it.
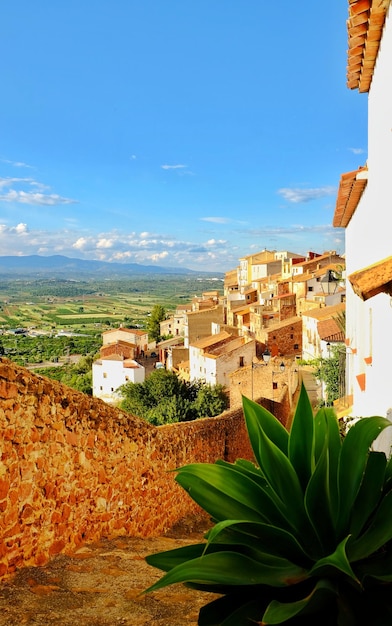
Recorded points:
(67, 317)
(53, 305)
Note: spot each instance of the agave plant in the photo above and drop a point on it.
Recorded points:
(301, 536)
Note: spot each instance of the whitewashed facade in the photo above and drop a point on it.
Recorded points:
(369, 241)
(112, 372)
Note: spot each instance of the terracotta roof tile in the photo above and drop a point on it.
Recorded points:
(351, 187)
(374, 279)
(364, 29)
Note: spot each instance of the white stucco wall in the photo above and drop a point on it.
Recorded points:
(368, 240)
(109, 375)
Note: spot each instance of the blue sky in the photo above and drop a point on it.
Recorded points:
(178, 133)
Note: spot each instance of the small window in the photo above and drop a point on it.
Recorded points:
(291, 336)
(296, 346)
(310, 288)
(241, 361)
(105, 375)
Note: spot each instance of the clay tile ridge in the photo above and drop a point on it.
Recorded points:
(364, 29)
(351, 187)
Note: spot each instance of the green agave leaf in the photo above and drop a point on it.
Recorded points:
(263, 537)
(353, 460)
(320, 597)
(335, 562)
(221, 491)
(318, 503)
(369, 492)
(226, 494)
(247, 468)
(300, 449)
(232, 568)
(283, 480)
(327, 427)
(257, 418)
(232, 610)
(171, 558)
(377, 566)
(378, 533)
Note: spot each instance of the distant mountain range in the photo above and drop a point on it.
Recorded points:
(65, 267)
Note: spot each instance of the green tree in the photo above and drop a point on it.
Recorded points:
(331, 371)
(210, 401)
(164, 398)
(157, 315)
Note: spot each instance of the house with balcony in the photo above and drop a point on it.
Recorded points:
(363, 208)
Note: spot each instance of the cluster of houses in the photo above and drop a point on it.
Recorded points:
(278, 307)
(279, 304)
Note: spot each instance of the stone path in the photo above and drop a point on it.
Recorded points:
(101, 585)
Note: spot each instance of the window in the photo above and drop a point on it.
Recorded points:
(310, 288)
(105, 375)
(241, 361)
(296, 346)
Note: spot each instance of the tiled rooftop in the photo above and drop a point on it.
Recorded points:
(364, 29)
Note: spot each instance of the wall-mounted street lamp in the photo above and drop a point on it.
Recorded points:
(329, 283)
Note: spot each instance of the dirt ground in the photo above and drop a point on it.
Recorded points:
(101, 585)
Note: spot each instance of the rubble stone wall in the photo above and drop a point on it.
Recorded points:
(74, 469)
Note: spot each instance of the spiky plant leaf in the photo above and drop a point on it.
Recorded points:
(226, 494)
(353, 460)
(337, 561)
(318, 503)
(369, 493)
(378, 533)
(315, 602)
(300, 449)
(234, 610)
(267, 538)
(233, 568)
(258, 419)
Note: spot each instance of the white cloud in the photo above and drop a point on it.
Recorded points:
(80, 244)
(179, 166)
(357, 150)
(216, 220)
(30, 197)
(23, 197)
(16, 163)
(298, 195)
(159, 256)
(105, 243)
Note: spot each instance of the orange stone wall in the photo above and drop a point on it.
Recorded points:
(73, 469)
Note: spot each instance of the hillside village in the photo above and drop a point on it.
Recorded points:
(277, 308)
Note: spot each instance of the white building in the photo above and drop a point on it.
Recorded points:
(363, 208)
(214, 358)
(111, 372)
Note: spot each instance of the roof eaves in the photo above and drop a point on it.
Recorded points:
(351, 188)
(373, 279)
(364, 29)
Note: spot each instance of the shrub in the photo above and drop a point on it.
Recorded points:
(302, 536)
